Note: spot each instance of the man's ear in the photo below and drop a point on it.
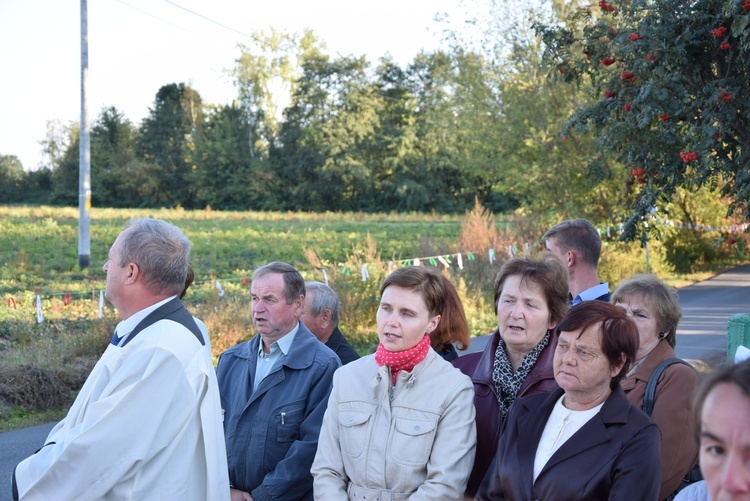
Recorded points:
(572, 258)
(325, 318)
(298, 305)
(134, 273)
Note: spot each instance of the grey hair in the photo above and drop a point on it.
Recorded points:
(579, 235)
(324, 298)
(161, 250)
(294, 284)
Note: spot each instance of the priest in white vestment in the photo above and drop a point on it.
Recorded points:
(147, 423)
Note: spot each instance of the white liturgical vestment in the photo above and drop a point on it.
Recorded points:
(146, 425)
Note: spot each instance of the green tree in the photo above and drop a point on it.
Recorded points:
(228, 175)
(65, 167)
(36, 187)
(112, 149)
(333, 114)
(427, 173)
(166, 138)
(670, 81)
(514, 142)
(265, 75)
(11, 178)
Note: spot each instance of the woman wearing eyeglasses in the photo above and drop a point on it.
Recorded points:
(583, 440)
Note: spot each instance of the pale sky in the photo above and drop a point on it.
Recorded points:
(136, 46)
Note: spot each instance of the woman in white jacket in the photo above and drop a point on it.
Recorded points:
(400, 422)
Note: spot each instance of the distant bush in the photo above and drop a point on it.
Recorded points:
(690, 250)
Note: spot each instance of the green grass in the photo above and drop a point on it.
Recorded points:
(17, 417)
(38, 255)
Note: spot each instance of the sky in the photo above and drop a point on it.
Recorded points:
(137, 46)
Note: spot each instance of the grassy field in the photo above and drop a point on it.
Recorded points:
(42, 364)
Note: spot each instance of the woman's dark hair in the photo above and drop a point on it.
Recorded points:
(618, 334)
(545, 271)
(441, 298)
(738, 375)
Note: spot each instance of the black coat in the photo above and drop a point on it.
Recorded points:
(616, 455)
(337, 342)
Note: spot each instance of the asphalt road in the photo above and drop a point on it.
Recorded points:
(701, 338)
(707, 307)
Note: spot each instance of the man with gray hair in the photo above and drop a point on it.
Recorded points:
(321, 316)
(578, 245)
(147, 423)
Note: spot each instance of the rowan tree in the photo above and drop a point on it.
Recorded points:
(673, 82)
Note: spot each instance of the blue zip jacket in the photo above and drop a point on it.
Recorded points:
(272, 433)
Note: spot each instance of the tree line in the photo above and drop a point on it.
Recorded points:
(482, 120)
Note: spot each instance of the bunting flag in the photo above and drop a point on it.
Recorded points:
(39, 314)
(446, 260)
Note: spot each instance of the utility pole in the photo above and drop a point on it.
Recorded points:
(84, 153)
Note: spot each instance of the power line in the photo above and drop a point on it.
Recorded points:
(155, 17)
(208, 19)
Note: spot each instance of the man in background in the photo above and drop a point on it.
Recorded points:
(321, 316)
(147, 423)
(274, 392)
(578, 245)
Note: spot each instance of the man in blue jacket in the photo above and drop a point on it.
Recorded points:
(274, 391)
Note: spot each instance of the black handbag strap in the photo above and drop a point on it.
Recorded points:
(648, 397)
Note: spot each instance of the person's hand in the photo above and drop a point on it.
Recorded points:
(238, 495)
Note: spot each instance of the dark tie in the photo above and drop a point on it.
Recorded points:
(116, 339)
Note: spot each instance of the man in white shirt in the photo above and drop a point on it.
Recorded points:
(147, 423)
(578, 245)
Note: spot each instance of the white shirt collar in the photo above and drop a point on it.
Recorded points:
(593, 293)
(125, 327)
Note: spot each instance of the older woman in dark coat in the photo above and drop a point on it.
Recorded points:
(531, 296)
(583, 440)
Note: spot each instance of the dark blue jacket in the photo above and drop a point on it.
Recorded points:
(337, 342)
(272, 433)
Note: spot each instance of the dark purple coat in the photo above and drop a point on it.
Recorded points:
(479, 366)
(614, 456)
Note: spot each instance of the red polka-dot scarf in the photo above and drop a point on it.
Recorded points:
(402, 360)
